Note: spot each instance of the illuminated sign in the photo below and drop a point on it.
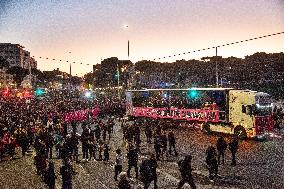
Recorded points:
(179, 114)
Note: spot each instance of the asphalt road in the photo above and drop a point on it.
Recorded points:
(259, 165)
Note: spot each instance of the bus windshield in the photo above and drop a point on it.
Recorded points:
(263, 109)
(263, 105)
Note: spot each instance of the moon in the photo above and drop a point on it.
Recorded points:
(125, 26)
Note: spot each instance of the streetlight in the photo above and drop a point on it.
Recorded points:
(217, 76)
(118, 75)
(70, 65)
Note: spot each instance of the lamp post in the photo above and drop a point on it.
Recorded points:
(118, 80)
(216, 70)
(70, 70)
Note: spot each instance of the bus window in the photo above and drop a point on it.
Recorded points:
(243, 109)
(249, 110)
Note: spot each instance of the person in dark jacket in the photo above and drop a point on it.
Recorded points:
(106, 152)
(74, 142)
(66, 174)
(164, 144)
(23, 141)
(123, 181)
(49, 142)
(234, 146)
(148, 133)
(132, 157)
(212, 163)
(85, 143)
(186, 172)
(65, 129)
(172, 142)
(40, 163)
(50, 176)
(98, 131)
(148, 172)
(157, 146)
(221, 146)
(118, 163)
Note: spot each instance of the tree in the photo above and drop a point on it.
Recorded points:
(75, 80)
(18, 74)
(89, 78)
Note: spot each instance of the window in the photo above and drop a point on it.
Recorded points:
(249, 109)
(243, 109)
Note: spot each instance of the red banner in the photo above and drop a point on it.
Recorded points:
(81, 115)
(179, 114)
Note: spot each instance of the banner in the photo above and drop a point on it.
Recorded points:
(179, 114)
(81, 115)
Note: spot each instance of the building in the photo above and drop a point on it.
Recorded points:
(5, 79)
(16, 55)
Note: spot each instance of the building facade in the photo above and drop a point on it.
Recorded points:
(5, 79)
(16, 55)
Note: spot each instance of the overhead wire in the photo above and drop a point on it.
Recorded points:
(218, 46)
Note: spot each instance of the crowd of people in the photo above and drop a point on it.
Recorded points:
(38, 125)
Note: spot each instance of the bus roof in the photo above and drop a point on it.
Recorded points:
(193, 88)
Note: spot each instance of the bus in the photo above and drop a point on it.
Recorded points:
(244, 113)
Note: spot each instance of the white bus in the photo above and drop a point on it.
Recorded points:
(244, 113)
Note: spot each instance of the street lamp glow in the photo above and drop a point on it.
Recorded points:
(88, 94)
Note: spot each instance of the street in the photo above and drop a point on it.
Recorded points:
(259, 165)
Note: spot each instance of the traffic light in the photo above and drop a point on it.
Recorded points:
(39, 92)
(192, 94)
(27, 94)
(6, 92)
(88, 94)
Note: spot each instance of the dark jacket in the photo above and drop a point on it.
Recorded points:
(221, 144)
(171, 138)
(185, 168)
(148, 170)
(50, 176)
(66, 173)
(124, 184)
(234, 145)
(132, 156)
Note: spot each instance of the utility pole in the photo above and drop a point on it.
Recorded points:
(217, 76)
(128, 49)
(30, 73)
(118, 75)
(70, 66)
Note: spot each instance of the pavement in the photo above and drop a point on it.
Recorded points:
(260, 165)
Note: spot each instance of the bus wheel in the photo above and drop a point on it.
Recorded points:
(240, 132)
(206, 128)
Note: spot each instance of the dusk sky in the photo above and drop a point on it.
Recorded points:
(93, 30)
